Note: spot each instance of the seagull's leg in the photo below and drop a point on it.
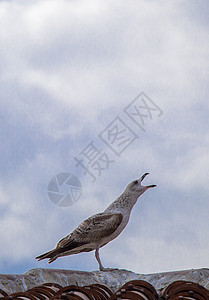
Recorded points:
(101, 268)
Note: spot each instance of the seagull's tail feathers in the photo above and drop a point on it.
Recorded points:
(52, 255)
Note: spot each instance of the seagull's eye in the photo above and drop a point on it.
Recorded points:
(135, 182)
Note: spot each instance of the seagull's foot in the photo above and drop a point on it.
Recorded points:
(101, 268)
(107, 269)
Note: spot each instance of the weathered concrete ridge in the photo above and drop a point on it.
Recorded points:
(113, 279)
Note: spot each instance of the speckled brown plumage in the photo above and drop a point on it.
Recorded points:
(98, 230)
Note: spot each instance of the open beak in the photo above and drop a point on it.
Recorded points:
(143, 176)
(148, 186)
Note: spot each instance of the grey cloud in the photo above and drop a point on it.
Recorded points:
(68, 69)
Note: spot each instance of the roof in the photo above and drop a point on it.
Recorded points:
(67, 284)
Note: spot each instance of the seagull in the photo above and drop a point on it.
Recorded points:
(99, 229)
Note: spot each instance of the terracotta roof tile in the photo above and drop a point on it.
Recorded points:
(134, 289)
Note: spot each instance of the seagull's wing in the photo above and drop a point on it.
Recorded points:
(92, 230)
(90, 234)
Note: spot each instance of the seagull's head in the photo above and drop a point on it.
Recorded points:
(136, 188)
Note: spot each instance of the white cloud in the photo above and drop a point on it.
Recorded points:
(68, 68)
(148, 255)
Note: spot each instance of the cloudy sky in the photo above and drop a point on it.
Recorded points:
(69, 68)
